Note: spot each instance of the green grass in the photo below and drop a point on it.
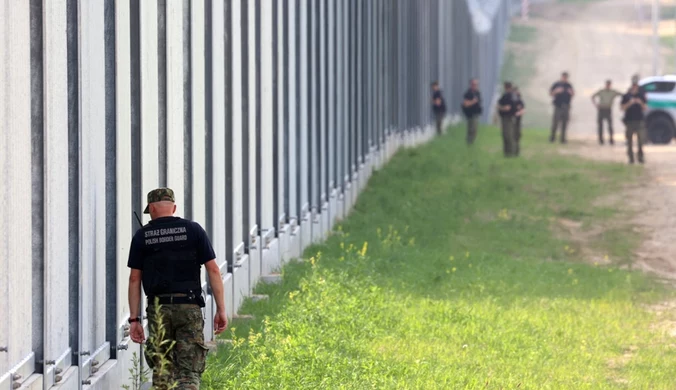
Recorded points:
(667, 12)
(447, 276)
(668, 43)
(522, 34)
(519, 67)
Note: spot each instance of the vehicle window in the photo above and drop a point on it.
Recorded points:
(660, 86)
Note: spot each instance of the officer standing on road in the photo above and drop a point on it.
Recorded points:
(634, 105)
(604, 105)
(520, 110)
(507, 110)
(165, 256)
(562, 92)
(472, 108)
(438, 107)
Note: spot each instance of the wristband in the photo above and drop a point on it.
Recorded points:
(137, 319)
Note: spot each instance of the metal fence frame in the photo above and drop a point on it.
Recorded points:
(267, 117)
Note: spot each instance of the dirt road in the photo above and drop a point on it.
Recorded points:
(595, 41)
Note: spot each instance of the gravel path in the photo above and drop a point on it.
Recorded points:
(593, 42)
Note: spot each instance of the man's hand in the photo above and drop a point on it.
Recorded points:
(220, 322)
(136, 333)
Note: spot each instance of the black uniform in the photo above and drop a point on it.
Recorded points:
(633, 119)
(520, 105)
(170, 252)
(439, 110)
(472, 113)
(507, 122)
(561, 109)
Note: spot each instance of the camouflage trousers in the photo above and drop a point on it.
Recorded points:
(185, 360)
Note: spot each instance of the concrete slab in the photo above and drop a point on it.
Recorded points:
(272, 279)
(241, 283)
(270, 257)
(208, 312)
(295, 242)
(284, 237)
(305, 232)
(229, 302)
(259, 297)
(254, 262)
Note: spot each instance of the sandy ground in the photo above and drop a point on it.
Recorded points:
(594, 41)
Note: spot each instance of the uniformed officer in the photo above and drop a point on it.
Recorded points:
(472, 108)
(634, 105)
(635, 79)
(603, 100)
(562, 92)
(520, 110)
(438, 106)
(165, 256)
(507, 110)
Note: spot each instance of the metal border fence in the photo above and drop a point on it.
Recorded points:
(267, 118)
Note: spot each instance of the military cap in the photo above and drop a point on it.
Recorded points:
(159, 195)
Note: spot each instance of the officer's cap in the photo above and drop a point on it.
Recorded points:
(159, 195)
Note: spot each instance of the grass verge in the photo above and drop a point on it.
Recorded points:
(522, 33)
(668, 43)
(447, 275)
(519, 67)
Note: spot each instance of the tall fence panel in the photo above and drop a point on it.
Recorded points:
(267, 118)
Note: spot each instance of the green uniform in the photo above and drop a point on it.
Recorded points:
(605, 103)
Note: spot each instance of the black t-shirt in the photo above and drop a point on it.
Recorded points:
(635, 111)
(563, 97)
(169, 232)
(438, 108)
(507, 99)
(519, 104)
(474, 109)
(641, 90)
